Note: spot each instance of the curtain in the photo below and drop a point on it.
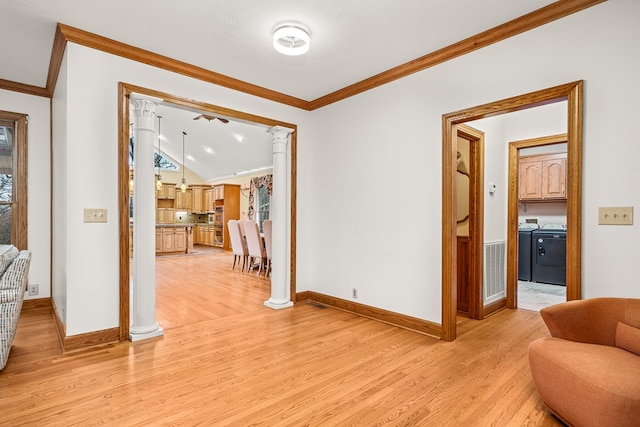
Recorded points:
(257, 182)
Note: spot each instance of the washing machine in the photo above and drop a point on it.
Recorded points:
(549, 255)
(524, 250)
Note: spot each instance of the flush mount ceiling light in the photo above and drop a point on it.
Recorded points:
(291, 39)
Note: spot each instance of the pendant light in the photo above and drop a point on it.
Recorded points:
(158, 177)
(183, 186)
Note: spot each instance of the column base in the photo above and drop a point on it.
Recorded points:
(278, 305)
(146, 335)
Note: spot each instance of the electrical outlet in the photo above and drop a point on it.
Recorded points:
(354, 293)
(34, 290)
(615, 215)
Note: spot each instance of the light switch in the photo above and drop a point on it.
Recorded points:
(95, 215)
(622, 215)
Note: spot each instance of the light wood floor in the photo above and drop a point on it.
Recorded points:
(226, 359)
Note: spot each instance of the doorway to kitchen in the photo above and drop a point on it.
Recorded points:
(288, 216)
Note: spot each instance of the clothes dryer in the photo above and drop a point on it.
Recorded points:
(549, 256)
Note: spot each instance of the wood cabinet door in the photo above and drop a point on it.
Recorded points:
(197, 200)
(158, 240)
(554, 173)
(170, 191)
(187, 198)
(179, 204)
(168, 239)
(530, 180)
(180, 242)
(170, 216)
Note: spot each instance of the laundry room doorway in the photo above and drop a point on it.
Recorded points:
(540, 204)
(571, 93)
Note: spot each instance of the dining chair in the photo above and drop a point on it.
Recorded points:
(254, 244)
(238, 245)
(267, 231)
(241, 226)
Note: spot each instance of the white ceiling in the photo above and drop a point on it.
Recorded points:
(350, 40)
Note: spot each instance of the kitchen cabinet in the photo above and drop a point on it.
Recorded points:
(166, 192)
(543, 177)
(168, 239)
(204, 235)
(158, 240)
(198, 194)
(208, 199)
(218, 192)
(226, 206)
(184, 201)
(165, 216)
(172, 239)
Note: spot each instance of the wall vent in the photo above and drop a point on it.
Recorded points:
(495, 273)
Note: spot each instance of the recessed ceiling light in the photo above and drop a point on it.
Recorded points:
(291, 39)
(209, 150)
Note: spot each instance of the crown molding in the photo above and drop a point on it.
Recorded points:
(534, 19)
(65, 33)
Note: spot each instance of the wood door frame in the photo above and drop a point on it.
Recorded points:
(512, 215)
(570, 92)
(476, 216)
(124, 90)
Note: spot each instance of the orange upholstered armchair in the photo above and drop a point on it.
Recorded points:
(588, 371)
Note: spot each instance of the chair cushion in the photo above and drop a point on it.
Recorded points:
(628, 338)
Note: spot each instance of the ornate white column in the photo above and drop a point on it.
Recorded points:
(278, 211)
(143, 306)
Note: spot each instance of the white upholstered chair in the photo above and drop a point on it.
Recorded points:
(254, 244)
(238, 245)
(267, 231)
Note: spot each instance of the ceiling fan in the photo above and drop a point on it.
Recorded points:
(208, 117)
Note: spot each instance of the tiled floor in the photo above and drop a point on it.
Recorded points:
(534, 296)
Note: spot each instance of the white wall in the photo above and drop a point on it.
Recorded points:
(374, 162)
(369, 167)
(59, 193)
(38, 183)
(89, 177)
(499, 131)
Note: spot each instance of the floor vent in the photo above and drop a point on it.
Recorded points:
(495, 274)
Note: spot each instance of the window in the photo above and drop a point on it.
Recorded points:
(263, 203)
(13, 179)
(260, 198)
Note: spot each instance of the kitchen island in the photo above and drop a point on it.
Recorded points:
(174, 238)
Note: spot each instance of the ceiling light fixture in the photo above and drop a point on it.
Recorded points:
(291, 39)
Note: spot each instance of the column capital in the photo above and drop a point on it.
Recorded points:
(144, 103)
(145, 110)
(280, 137)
